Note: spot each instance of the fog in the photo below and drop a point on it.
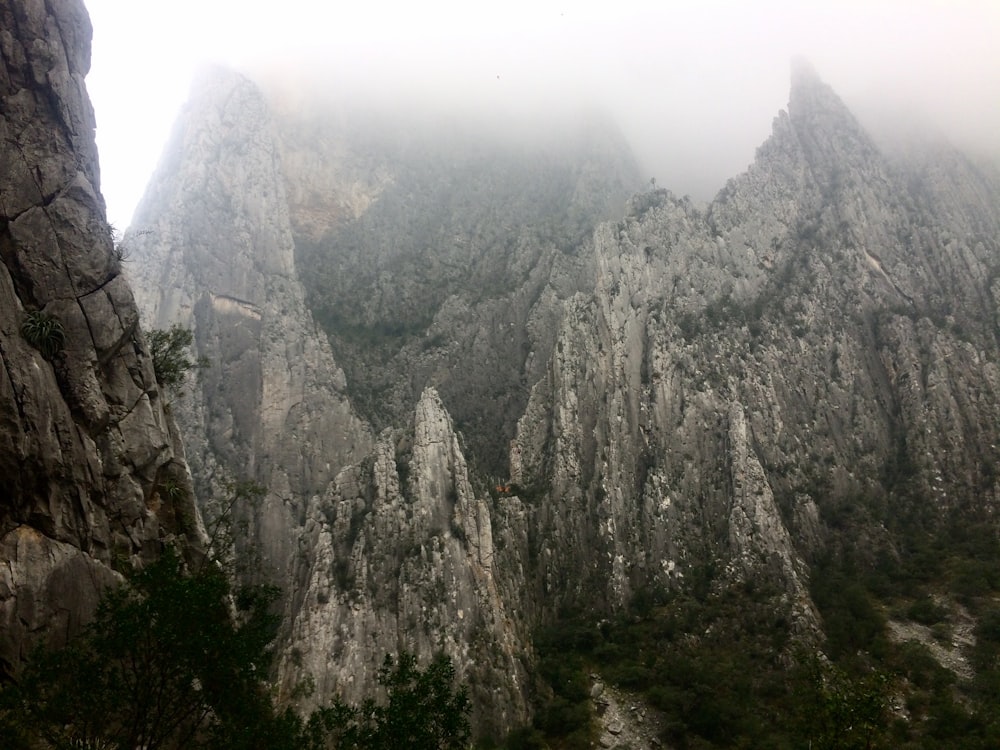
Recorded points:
(694, 87)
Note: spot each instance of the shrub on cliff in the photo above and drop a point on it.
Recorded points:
(422, 710)
(44, 332)
(170, 351)
(166, 663)
(180, 659)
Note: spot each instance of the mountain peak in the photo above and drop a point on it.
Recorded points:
(823, 124)
(809, 92)
(803, 73)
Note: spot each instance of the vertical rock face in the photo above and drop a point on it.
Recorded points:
(823, 332)
(386, 543)
(598, 409)
(401, 555)
(455, 266)
(215, 254)
(85, 445)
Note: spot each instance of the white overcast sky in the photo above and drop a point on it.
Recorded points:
(694, 85)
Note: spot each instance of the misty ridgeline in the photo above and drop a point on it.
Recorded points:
(642, 470)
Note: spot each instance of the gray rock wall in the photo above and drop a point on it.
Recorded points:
(737, 371)
(401, 556)
(567, 417)
(378, 544)
(86, 446)
(212, 250)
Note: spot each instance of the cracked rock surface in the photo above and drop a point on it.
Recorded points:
(85, 442)
(553, 413)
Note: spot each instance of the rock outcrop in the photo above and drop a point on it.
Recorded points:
(478, 396)
(603, 409)
(386, 543)
(739, 372)
(270, 406)
(401, 555)
(86, 446)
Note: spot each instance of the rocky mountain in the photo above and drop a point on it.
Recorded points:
(739, 371)
(272, 408)
(486, 390)
(237, 210)
(92, 469)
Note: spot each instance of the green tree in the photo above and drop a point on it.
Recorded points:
(224, 526)
(422, 710)
(179, 659)
(171, 660)
(170, 351)
(842, 712)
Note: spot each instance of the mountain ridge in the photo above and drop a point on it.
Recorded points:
(640, 404)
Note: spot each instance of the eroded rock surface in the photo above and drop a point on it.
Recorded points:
(86, 448)
(598, 408)
(214, 253)
(740, 370)
(378, 543)
(401, 555)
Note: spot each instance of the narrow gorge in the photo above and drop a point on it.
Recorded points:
(495, 387)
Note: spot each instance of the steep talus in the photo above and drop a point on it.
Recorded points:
(86, 447)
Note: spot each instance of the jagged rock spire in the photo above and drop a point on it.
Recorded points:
(803, 73)
(822, 122)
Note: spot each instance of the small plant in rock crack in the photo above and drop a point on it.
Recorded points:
(44, 332)
(171, 489)
(171, 355)
(122, 246)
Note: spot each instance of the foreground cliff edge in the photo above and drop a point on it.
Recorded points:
(86, 447)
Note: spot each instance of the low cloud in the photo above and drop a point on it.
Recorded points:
(694, 87)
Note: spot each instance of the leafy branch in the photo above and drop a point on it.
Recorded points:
(172, 360)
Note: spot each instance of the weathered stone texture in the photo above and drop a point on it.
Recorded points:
(400, 555)
(683, 393)
(213, 251)
(822, 333)
(84, 440)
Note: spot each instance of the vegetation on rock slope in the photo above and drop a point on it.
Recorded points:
(179, 659)
(466, 232)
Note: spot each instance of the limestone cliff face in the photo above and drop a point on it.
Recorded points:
(569, 410)
(455, 266)
(401, 555)
(824, 332)
(86, 448)
(445, 253)
(383, 543)
(215, 254)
